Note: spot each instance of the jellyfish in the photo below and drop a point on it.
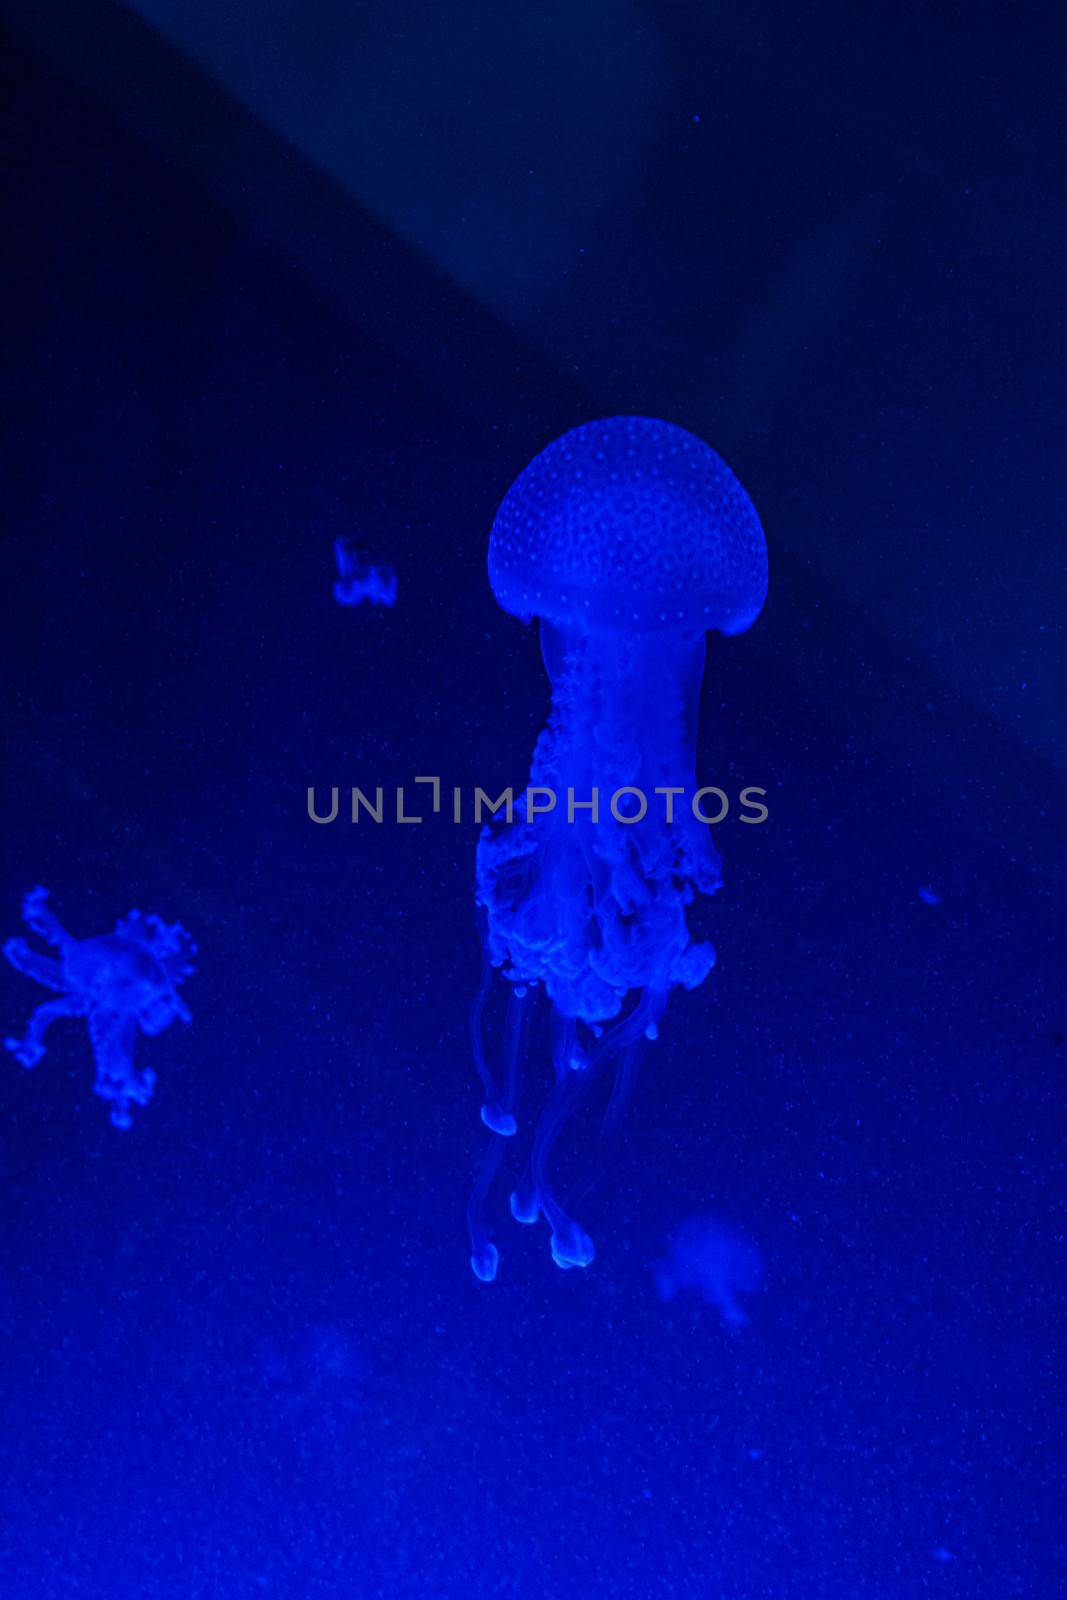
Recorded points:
(118, 981)
(717, 1261)
(629, 539)
(357, 580)
(316, 1372)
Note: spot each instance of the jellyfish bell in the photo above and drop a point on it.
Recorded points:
(629, 524)
(629, 540)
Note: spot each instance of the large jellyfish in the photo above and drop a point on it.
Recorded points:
(119, 981)
(629, 539)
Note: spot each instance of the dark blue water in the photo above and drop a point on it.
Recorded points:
(242, 1351)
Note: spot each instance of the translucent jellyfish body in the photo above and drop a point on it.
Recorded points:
(357, 580)
(717, 1262)
(629, 539)
(118, 981)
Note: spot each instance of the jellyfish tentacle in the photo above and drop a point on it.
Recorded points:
(500, 1117)
(493, 1114)
(113, 1036)
(523, 1201)
(45, 969)
(635, 1033)
(567, 1058)
(31, 1048)
(40, 919)
(514, 1033)
(571, 1245)
(484, 1254)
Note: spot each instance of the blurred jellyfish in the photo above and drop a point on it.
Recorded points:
(629, 539)
(119, 981)
(317, 1369)
(715, 1260)
(357, 580)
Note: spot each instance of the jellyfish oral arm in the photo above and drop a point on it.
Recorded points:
(625, 710)
(591, 898)
(31, 1047)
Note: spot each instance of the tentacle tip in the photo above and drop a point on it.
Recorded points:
(484, 1262)
(524, 1208)
(497, 1120)
(572, 1248)
(24, 1054)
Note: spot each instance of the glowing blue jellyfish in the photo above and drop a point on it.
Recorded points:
(119, 981)
(716, 1261)
(357, 580)
(629, 539)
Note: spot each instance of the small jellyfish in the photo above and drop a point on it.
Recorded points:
(119, 981)
(716, 1261)
(629, 539)
(357, 580)
(315, 1370)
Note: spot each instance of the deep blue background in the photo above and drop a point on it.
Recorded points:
(241, 1349)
